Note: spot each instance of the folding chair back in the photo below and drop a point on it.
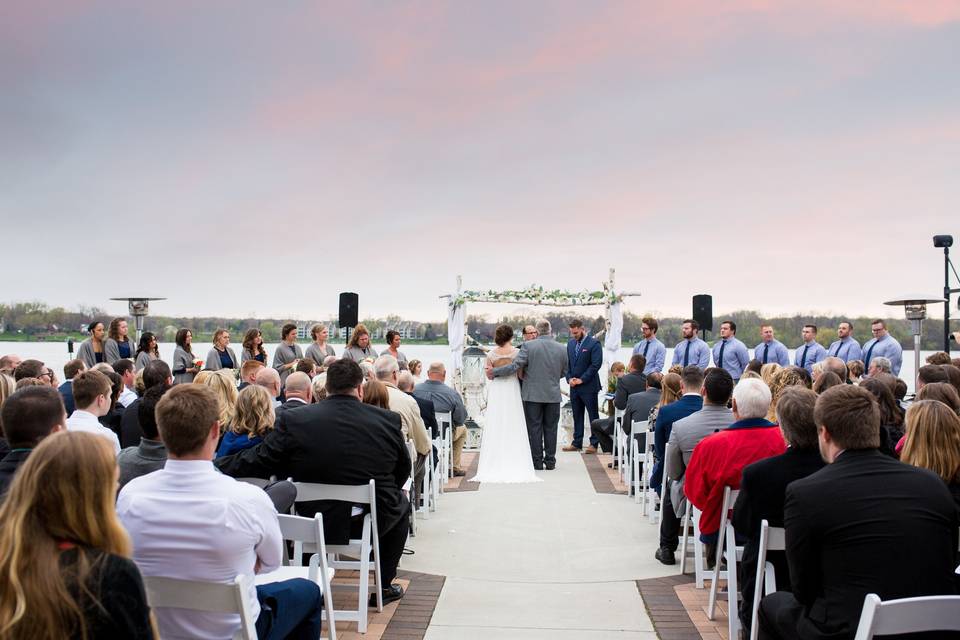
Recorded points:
(729, 499)
(907, 615)
(257, 482)
(771, 539)
(307, 537)
(445, 463)
(212, 597)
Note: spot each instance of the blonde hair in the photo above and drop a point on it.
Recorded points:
(217, 334)
(65, 491)
(255, 415)
(224, 387)
(933, 439)
(747, 375)
(785, 377)
(202, 376)
(319, 387)
(669, 389)
(7, 386)
(359, 330)
(768, 371)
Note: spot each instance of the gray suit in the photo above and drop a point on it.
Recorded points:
(687, 434)
(544, 363)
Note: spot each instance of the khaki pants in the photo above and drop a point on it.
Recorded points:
(459, 439)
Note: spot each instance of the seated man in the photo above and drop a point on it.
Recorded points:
(269, 379)
(865, 523)
(190, 522)
(446, 400)
(28, 416)
(640, 403)
(157, 372)
(128, 373)
(248, 373)
(686, 434)
(719, 459)
(388, 372)
(298, 393)
(150, 454)
(632, 382)
(340, 441)
(691, 380)
(93, 395)
(70, 371)
(764, 484)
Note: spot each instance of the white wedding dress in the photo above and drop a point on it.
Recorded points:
(505, 447)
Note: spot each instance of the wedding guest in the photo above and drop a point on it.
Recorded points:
(654, 352)
(414, 366)
(388, 372)
(879, 365)
(375, 393)
(428, 412)
(769, 371)
(953, 375)
(92, 393)
(845, 347)
(65, 550)
(933, 442)
(27, 416)
(882, 344)
(862, 524)
(248, 373)
(788, 377)
(718, 460)
(254, 417)
(358, 348)
(854, 371)
(221, 356)
(224, 389)
(253, 347)
(632, 382)
(112, 419)
(319, 388)
(288, 352)
(150, 454)
(91, 350)
(307, 367)
(763, 487)
(23, 383)
(641, 404)
(147, 350)
(941, 392)
(393, 349)
(319, 350)
(128, 375)
(9, 363)
(730, 353)
(691, 350)
(689, 401)
(155, 373)
(185, 366)
(297, 393)
(118, 344)
(836, 366)
(770, 350)
(825, 381)
(70, 371)
(754, 366)
(31, 368)
(810, 352)
(340, 441)
(446, 400)
(188, 521)
(891, 417)
(930, 373)
(940, 357)
(269, 379)
(8, 386)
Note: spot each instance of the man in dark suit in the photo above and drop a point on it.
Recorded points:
(156, 372)
(70, 370)
(632, 382)
(29, 415)
(863, 524)
(585, 357)
(340, 441)
(763, 487)
(298, 392)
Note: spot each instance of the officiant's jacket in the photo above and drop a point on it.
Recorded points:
(337, 441)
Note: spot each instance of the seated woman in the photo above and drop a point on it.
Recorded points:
(225, 387)
(375, 393)
(933, 442)
(253, 419)
(71, 566)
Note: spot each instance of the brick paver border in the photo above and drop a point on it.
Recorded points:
(670, 619)
(416, 608)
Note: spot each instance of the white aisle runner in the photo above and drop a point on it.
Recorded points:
(552, 559)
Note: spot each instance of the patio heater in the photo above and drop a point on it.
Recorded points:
(474, 379)
(139, 308)
(915, 308)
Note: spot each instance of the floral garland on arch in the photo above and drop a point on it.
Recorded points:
(534, 295)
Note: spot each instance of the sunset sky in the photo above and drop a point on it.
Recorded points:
(260, 157)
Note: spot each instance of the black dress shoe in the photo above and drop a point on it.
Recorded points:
(665, 556)
(391, 593)
(550, 466)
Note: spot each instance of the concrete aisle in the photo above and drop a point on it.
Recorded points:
(552, 559)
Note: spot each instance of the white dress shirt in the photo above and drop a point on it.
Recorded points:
(127, 396)
(190, 521)
(81, 420)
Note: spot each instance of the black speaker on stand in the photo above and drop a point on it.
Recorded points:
(703, 312)
(349, 306)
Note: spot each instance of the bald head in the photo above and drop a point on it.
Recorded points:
(269, 379)
(835, 365)
(405, 382)
(437, 371)
(298, 386)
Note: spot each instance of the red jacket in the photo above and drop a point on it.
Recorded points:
(718, 461)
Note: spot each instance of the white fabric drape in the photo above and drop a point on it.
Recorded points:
(456, 335)
(615, 333)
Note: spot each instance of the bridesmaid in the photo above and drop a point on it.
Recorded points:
(147, 350)
(253, 347)
(119, 344)
(221, 356)
(359, 349)
(91, 349)
(393, 349)
(184, 362)
(319, 350)
(288, 352)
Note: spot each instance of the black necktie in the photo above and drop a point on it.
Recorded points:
(766, 350)
(645, 349)
(723, 343)
(866, 362)
(803, 358)
(839, 346)
(686, 354)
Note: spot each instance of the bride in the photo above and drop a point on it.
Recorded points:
(505, 448)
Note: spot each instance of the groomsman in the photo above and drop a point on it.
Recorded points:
(691, 350)
(729, 353)
(650, 347)
(771, 349)
(585, 356)
(810, 352)
(846, 348)
(882, 344)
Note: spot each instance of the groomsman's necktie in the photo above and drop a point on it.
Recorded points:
(839, 346)
(803, 358)
(647, 346)
(866, 362)
(723, 343)
(766, 350)
(686, 354)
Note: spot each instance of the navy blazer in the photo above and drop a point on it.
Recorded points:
(66, 392)
(666, 416)
(586, 366)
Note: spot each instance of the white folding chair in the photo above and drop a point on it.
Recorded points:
(771, 539)
(257, 482)
(307, 537)
(907, 615)
(642, 463)
(412, 452)
(363, 548)
(692, 514)
(654, 498)
(733, 553)
(212, 597)
(620, 445)
(445, 463)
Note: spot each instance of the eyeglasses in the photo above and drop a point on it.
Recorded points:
(48, 373)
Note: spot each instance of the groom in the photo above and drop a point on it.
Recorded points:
(586, 358)
(543, 361)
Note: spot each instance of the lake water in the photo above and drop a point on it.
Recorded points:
(55, 355)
